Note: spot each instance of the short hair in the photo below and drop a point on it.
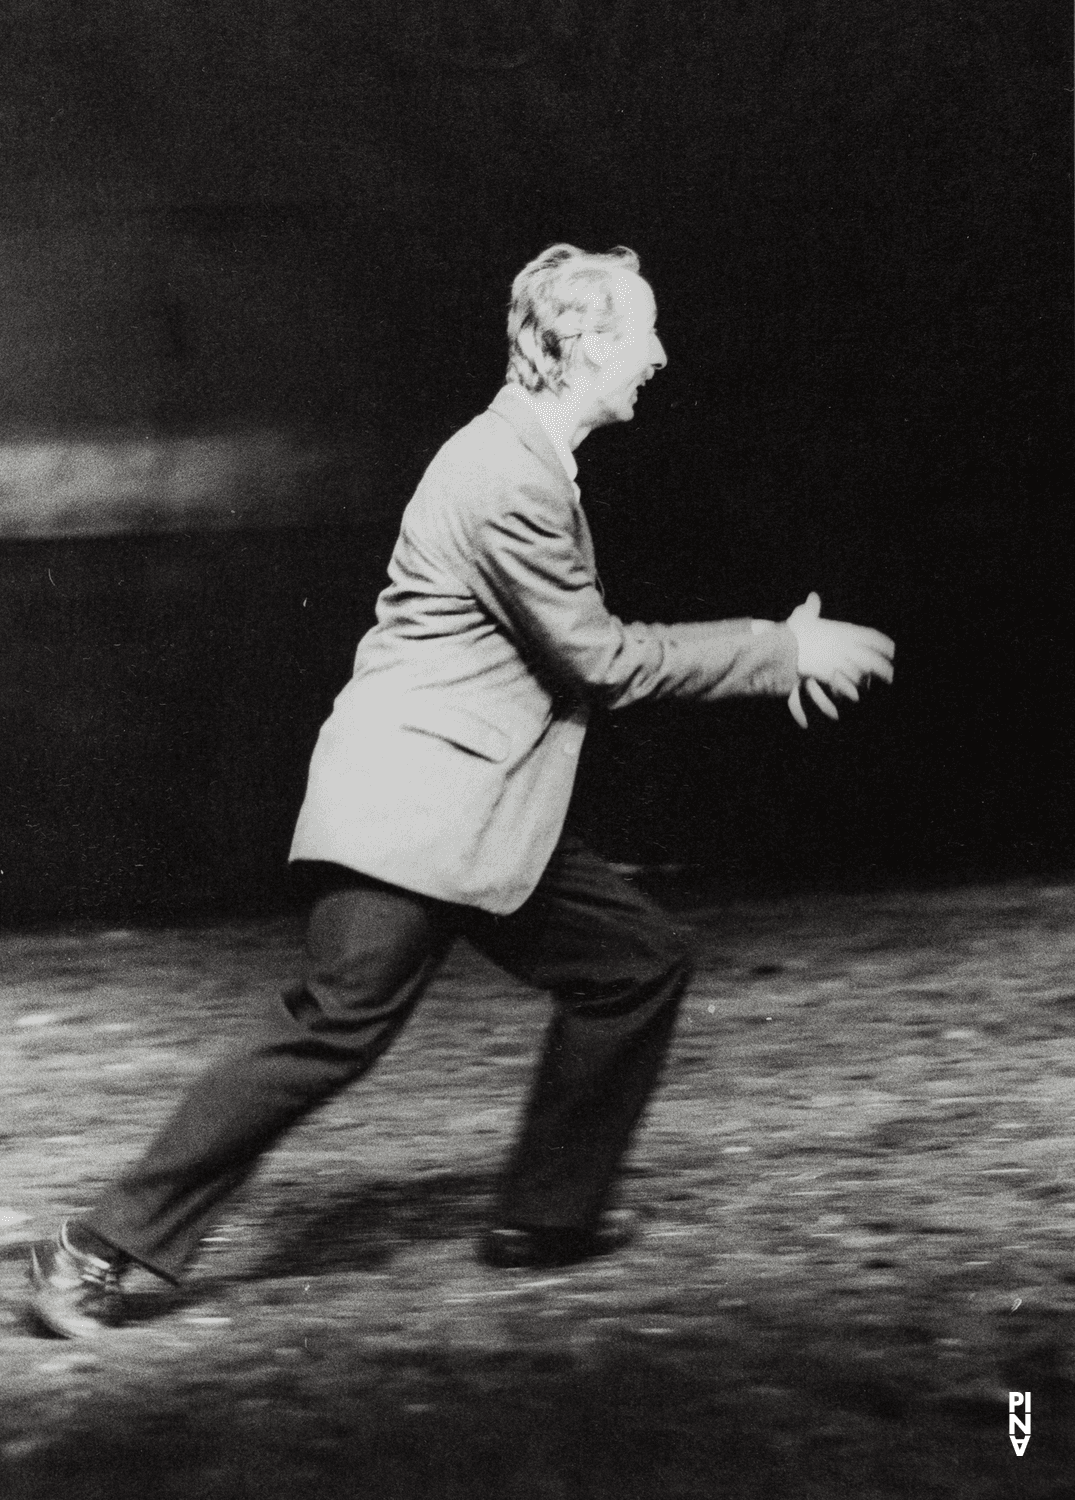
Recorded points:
(563, 293)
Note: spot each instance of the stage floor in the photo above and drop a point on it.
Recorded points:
(857, 1185)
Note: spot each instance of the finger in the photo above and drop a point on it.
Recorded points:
(826, 705)
(863, 636)
(859, 661)
(840, 683)
(869, 664)
(809, 609)
(797, 711)
(875, 640)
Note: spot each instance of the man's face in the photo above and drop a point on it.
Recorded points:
(618, 364)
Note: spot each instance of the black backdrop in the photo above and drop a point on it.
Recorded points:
(856, 217)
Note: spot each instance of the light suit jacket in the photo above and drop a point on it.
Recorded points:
(447, 763)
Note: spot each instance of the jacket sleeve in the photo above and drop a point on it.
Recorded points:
(532, 575)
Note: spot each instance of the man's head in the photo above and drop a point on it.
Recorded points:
(588, 323)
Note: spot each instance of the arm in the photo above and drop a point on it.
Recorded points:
(532, 576)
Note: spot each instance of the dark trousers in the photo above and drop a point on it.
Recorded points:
(616, 967)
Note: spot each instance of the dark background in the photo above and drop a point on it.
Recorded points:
(305, 217)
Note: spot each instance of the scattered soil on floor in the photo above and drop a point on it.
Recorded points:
(858, 1228)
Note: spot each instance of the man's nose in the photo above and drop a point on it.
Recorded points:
(657, 357)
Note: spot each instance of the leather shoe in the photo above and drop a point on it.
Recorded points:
(73, 1293)
(512, 1247)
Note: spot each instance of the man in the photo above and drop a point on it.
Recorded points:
(435, 808)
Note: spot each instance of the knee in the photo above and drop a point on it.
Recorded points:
(673, 959)
(683, 964)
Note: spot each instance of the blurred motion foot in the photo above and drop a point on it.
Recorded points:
(516, 1247)
(74, 1293)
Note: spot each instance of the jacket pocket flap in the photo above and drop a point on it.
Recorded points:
(460, 728)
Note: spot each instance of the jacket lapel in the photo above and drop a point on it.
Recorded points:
(582, 531)
(533, 436)
(531, 433)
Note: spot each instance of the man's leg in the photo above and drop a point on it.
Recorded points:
(617, 967)
(371, 950)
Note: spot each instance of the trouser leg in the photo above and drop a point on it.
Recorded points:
(371, 950)
(617, 967)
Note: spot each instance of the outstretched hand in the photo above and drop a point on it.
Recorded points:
(836, 654)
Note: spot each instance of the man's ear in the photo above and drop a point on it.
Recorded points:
(595, 348)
